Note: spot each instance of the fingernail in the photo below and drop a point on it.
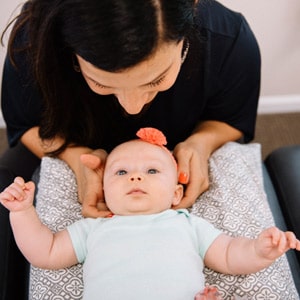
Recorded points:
(183, 178)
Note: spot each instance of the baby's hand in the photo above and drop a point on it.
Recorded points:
(18, 196)
(272, 243)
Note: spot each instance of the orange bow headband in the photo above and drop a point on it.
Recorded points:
(155, 137)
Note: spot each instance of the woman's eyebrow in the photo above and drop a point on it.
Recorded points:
(145, 84)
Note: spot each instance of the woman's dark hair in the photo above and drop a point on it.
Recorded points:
(110, 34)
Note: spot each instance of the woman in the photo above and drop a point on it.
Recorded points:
(83, 76)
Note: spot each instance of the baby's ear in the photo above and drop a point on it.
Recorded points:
(178, 194)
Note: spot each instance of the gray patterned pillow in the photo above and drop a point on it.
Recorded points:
(235, 202)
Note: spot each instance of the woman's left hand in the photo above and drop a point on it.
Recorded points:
(193, 154)
(192, 171)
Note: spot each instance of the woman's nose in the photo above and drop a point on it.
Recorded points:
(133, 102)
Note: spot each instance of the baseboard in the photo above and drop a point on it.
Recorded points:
(2, 124)
(267, 105)
(279, 104)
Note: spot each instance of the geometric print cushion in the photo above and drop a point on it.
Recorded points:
(57, 207)
(235, 203)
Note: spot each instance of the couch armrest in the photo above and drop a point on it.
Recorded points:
(282, 184)
(283, 166)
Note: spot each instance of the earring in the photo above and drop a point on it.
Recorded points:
(185, 51)
(76, 66)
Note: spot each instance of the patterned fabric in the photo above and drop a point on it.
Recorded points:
(235, 203)
(57, 207)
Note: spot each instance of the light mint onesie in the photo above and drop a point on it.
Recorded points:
(153, 257)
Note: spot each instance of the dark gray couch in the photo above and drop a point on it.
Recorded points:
(282, 184)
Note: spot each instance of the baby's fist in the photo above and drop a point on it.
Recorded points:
(18, 196)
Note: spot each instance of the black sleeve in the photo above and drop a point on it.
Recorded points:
(234, 64)
(20, 100)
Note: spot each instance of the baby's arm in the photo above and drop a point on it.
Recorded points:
(38, 244)
(244, 256)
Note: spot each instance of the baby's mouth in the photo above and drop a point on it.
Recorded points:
(136, 191)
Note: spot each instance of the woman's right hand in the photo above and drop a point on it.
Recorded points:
(89, 180)
(87, 164)
(88, 167)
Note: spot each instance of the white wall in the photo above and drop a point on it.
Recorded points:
(276, 24)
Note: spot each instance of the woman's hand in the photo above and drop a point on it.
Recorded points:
(193, 154)
(88, 166)
(90, 181)
(193, 171)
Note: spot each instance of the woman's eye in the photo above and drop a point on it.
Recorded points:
(152, 171)
(98, 85)
(157, 82)
(121, 172)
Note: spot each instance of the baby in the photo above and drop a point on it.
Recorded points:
(145, 250)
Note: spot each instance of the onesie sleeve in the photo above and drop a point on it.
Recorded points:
(79, 232)
(206, 233)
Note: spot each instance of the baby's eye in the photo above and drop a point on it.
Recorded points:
(152, 171)
(121, 172)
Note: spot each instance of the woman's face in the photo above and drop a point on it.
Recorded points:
(136, 86)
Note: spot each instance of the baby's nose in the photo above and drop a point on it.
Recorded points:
(136, 177)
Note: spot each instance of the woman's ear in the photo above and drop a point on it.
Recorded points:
(178, 194)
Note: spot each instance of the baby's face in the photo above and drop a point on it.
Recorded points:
(140, 178)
